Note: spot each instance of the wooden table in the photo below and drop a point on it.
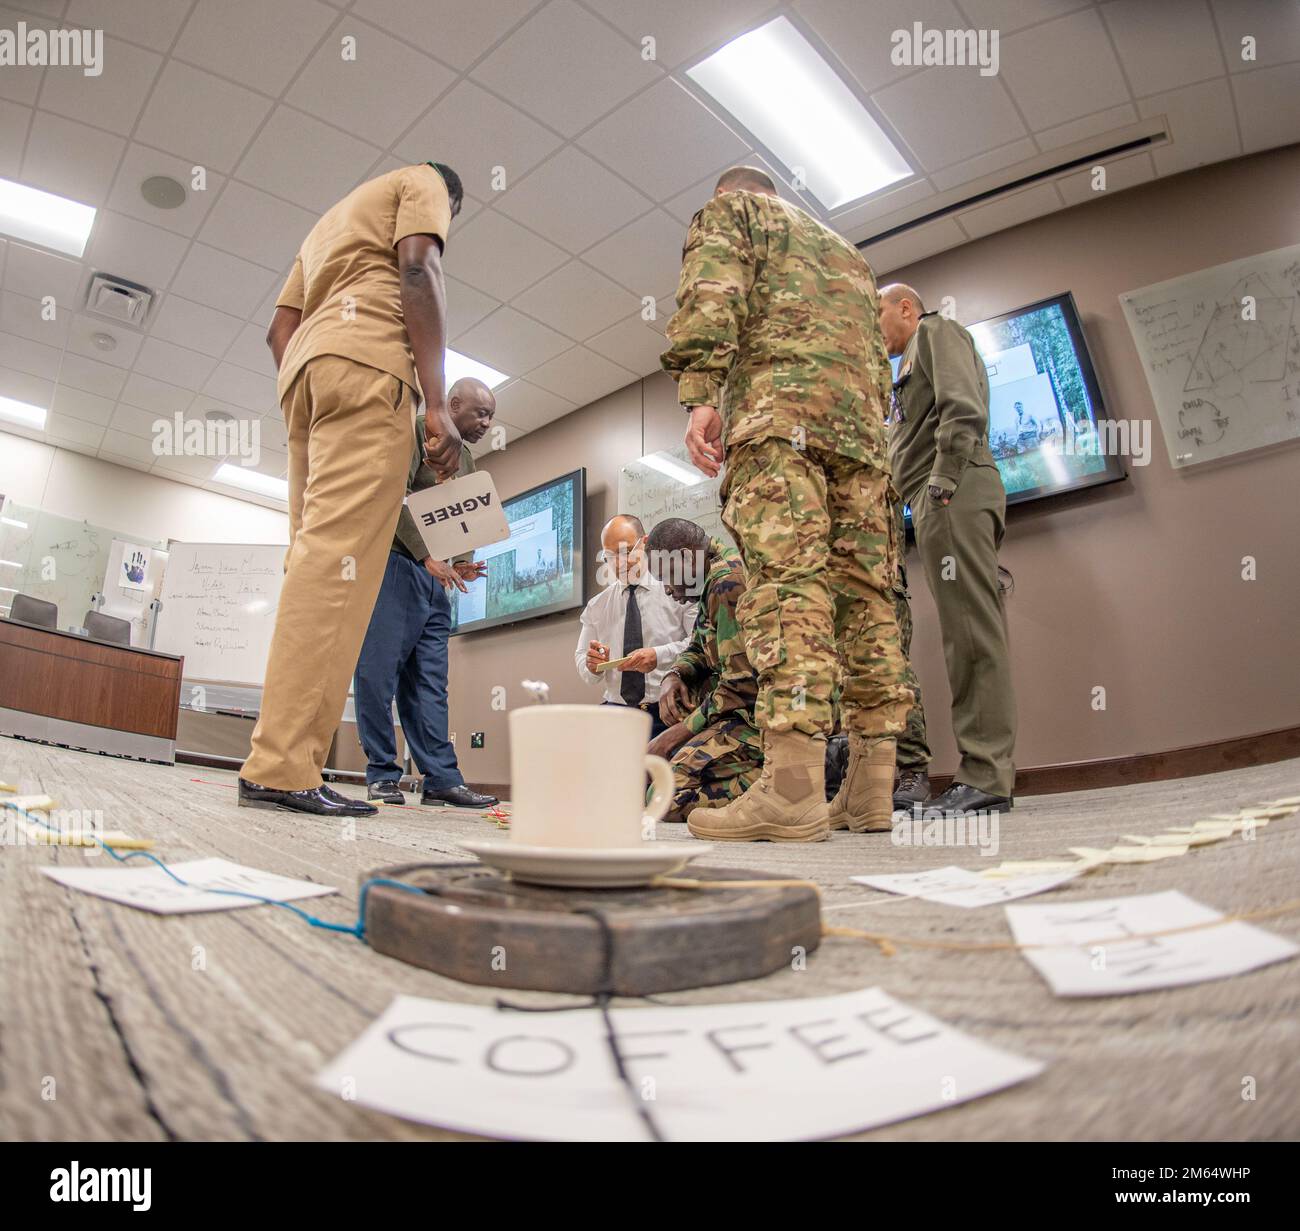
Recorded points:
(62, 688)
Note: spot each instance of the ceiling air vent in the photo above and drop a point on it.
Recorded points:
(117, 300)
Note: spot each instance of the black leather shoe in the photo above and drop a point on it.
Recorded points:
(458, 797)
(962, 798)
(388, 792)
(319, 802)
(912, 787)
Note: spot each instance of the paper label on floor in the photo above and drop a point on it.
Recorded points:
(764, 1071)
(955, 886)
(150, 888)
(1090, 956)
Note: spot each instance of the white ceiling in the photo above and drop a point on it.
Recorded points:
(606, 156)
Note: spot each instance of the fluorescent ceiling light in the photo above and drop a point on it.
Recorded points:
(10, 521)
(252, 480)
(22, 412)
(665, 463)
(11, 563)
(42, 218)
(458, 366)
(775, 83)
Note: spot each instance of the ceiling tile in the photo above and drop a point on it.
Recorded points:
(566, 67)
(276, 238)
(222, 281)
(1120, 174)
(21, 314)
(157, 396)
(474, 133)
(70, 159)
(24, 387)
(201, 118)
(572, 200)
(972, 169)
(873, 216)
(194, 326)
(892, 254)
(141, 163)
(577, 301)
(976, 114)
(86, 407)
(177, 365)
(1202, 126)
(250, 351)
(1008, 15)
(304, 160)
(632, 344)
(114, 98)
(455, 32)
(663, 140)
(65, 430)
(1274, 26)
(91, 375)
(257, 44)
(511, 342)
(126, 449)
(529, 407)
(684, 29)
(134, 250)
(83, 330)
(1009, 211)
(19, 83)
(14, 121)
(192, 469)
(151, 22)
(580, 376)
(273, 431)
(1268, 104)
(133, 421)
(374, 95)
(645, 257)
(37, 273)
(860, 34)
(242, 388)
(1089, 126)
(465, 306)
(498, 256)
(1164, 44)
(1063, 69)
(32, 357)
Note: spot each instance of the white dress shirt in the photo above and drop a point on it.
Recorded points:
(666, 627)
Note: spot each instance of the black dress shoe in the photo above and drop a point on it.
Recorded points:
(388, 792)
(913, 787)
(962, 798)
(458, 797)
(320, 801)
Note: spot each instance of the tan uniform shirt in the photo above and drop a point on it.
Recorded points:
(345, 279)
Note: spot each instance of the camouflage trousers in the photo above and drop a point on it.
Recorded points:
(815, 531)
(714, 767)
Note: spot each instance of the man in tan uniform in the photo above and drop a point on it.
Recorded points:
(359, 322)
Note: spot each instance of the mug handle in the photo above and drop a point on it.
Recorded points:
(661, 788)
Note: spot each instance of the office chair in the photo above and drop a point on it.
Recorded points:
(108, 628)
(34, 611)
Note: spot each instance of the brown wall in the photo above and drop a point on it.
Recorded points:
(1135, 587)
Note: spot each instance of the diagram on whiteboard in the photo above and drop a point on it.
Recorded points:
(1221, 351)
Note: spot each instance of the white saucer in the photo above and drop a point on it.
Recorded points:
(607, 868)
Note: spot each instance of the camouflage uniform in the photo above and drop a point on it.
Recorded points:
(913, 747)
(724, 755)
(776, 327)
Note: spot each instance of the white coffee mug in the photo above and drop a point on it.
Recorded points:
(577, 777)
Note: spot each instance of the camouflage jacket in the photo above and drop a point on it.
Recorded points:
(776, 326)
(714, 665)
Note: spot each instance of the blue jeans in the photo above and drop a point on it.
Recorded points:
(405, 655)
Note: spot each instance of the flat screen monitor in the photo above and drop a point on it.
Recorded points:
(1045, 406)
(538, 570)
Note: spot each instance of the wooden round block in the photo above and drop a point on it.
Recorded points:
(477, 925)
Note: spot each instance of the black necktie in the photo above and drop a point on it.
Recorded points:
(632, 686)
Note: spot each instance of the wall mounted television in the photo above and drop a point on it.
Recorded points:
(538, 570)
(1045, 404)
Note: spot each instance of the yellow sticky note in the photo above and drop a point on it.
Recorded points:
(4, 786)
(1128, 854)
(613, 665)
(1289, 801)
(29, 803)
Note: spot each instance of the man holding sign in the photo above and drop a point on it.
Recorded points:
(405, 650)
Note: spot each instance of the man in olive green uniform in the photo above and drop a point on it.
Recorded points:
(777, 354)
(913, 753)
(713, 746)
(938, 443)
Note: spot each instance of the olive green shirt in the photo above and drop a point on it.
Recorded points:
(408, 540)
(940, 409)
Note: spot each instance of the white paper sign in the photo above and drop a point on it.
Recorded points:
(459, 515)
(758, 1071)
(150, 888)
(1090, 961)
(137, 563)
(955, 886)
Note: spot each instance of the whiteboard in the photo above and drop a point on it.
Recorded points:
(218, 609)
(1221, 351)
(666, 484)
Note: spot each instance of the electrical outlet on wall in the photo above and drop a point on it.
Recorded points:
(476, 740)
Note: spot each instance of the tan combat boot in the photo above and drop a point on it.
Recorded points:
(786, 804)
(865, 802)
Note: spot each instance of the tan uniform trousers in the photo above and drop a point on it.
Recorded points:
(351, 431)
